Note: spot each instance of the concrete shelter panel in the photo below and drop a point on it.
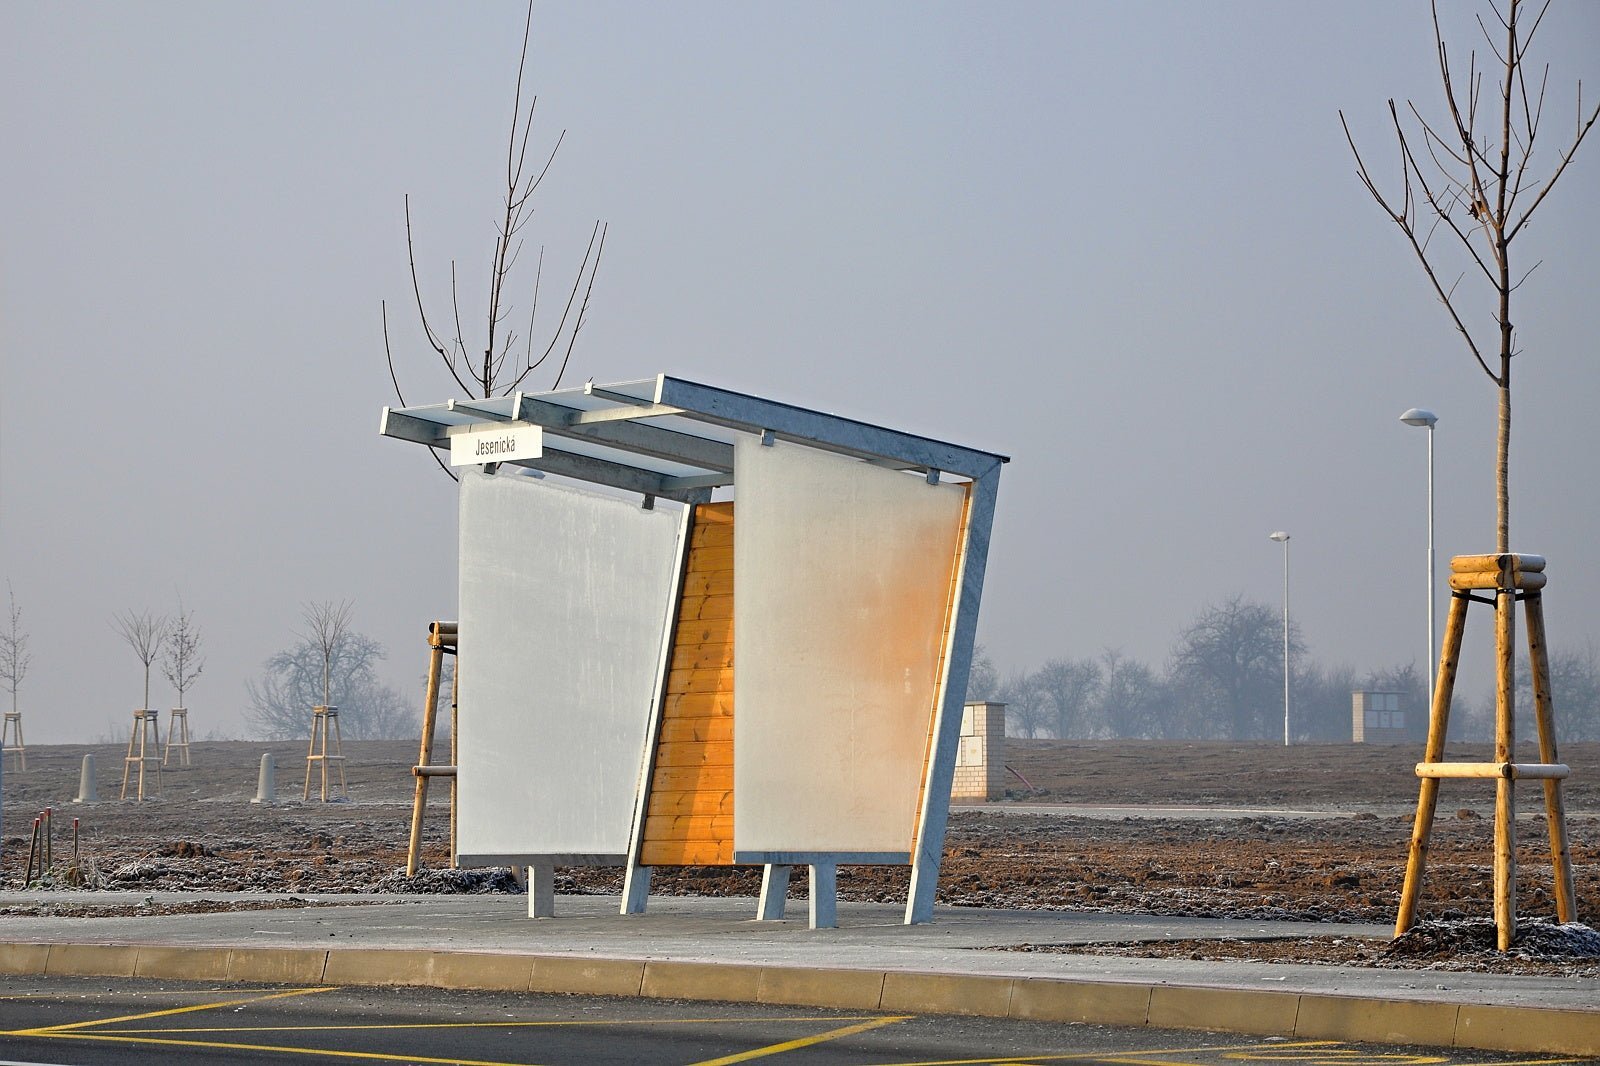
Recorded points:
(843, 581)
(564, 602)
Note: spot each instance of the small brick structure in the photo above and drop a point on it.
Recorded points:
(981, 755)
(1380, 718)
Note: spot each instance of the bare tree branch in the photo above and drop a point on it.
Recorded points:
(145, 633)
(492, 371)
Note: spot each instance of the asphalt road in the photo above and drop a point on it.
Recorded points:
(94, 1021)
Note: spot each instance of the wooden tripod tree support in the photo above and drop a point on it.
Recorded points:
(144, 750)
(441, 642)
(1510, 578)
(325, 721)
(11, 739)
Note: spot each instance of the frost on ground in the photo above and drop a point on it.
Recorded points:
(198, 834)
(1542, 947)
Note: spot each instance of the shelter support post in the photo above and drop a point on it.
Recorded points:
(928, 844)
(541, 889)
(774, 892)
(824, 895)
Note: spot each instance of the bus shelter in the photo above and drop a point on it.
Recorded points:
(726, 631)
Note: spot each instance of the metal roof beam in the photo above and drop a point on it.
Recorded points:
(819, 430)
(601, 472)
(405, 426)
(635, 437)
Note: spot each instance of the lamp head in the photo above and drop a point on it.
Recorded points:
(1280, 536)
(1419, 416)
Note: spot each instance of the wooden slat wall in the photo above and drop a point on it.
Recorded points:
(689, 820)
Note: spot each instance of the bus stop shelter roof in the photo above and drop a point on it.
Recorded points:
(668, 437)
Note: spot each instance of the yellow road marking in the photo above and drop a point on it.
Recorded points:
(53, 1030)
(505, 1024)
(1129, 1059)
(217, 1045)
(805, 1041)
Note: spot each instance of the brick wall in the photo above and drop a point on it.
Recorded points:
(981, 753)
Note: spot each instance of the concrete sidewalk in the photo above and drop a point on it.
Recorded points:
(713, 949)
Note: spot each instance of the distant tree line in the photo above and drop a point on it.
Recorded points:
(331, 666)
(1223, 680)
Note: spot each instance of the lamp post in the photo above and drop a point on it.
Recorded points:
(1418, 416)
(1283, 538)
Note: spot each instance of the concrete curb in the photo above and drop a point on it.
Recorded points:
(1303, 1015)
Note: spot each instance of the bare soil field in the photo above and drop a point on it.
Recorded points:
(200, 833)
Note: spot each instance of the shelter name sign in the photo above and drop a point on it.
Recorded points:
(495, 442)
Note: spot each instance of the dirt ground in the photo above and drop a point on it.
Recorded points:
(200, 833)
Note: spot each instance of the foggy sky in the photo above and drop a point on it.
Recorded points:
(1124, 244)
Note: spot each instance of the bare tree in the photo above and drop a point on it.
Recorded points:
(1477, 187)
(183, 662)
(1228, 667)
(328, 626)
(506, 359)
(14, 654)
(1070, 686)
(293, 679)
(145, 634)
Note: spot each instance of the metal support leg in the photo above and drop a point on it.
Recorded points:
(824, 895)
(541, 890)
(774, 893)
(636, 889)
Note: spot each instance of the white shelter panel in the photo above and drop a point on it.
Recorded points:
(564, 602)
(844, 576)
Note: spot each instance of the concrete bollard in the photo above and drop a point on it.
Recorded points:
(86, 790)
(267, 783)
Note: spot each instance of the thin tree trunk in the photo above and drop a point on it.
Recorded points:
(1502, 480)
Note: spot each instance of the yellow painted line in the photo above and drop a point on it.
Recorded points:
(805, 1041)
(1126, 1058)
(591, 1023)
(53, 1030)
(325, 1053)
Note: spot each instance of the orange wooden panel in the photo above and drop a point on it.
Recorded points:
(712, 827)
(713, 558)
(699, 705)
(694, 753)
(694, 778)
(680, 730)
(694, 632)
(689, 817)
(713, 514)
(712, 536)
(709, 583)
(709, 680)
(703, 802)
(693, 853)
(702, 657)
(703, 608)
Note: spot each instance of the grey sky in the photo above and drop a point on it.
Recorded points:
(1122, 243)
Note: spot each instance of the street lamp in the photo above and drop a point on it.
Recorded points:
(1418, 416)
(1283, 538)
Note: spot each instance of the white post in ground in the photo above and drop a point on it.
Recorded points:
(267, 781)
(86, 789)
